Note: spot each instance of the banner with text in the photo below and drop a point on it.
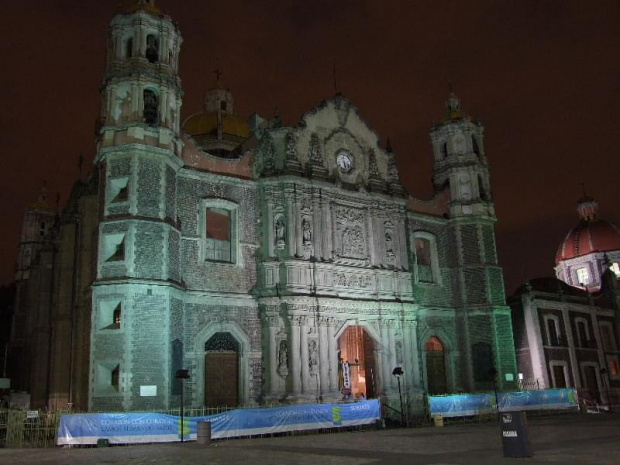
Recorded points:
(461, 405)
(133, 428)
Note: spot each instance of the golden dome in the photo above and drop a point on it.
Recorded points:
(206, 123)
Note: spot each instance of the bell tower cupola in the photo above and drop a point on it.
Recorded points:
(460, 163)
(141, 90)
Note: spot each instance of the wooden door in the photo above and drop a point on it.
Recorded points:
(558, 376)
(221, 379)
(436, 372)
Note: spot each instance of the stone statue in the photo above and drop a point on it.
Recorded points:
(312, 356)
(280, 228)
(283, 359)
(306, 231)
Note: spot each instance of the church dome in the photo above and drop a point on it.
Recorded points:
(206, 123)
(591, 234)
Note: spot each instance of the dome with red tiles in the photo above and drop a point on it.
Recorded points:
(590, 235)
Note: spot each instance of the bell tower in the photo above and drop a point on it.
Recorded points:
(460, 163)
(138, 264)
(141, 91)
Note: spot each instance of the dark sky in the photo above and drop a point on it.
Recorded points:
(543, 76)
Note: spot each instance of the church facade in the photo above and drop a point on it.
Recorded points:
(277, 264)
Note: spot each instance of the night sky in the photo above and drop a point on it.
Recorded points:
(543, 77)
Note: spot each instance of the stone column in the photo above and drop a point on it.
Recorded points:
(272, 322)
(323, 356)
(392, 356)
(136, 103)
(402, 245)
(305, 369)
(270, 238)
(571, 349)
(294, 356)
(317, 231)
(333, 356)
(327, 245)
(415, 352)
(386, 372)
(290, 223)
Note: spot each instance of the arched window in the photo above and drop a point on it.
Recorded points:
(129, 48)
(435, 366)
(474, 146)
(443, 150)
(151, 108)
(152, 48)
(434, 344)
(483, 192)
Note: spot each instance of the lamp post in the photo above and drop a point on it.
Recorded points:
(398, 372)
(606, 384)
(182, 375)
(493, 376)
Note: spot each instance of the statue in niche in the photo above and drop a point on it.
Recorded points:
(283, 359)
(399, 352)
(306, 231)
(122, 106)
(312, 356)
(280, 229)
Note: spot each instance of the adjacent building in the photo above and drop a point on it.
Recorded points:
(567, 327)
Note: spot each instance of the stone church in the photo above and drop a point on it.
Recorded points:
(277, 264)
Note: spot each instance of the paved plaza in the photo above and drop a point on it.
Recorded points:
(563, 439)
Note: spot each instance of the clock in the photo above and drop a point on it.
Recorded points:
(344, 160)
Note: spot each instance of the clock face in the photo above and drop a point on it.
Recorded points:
(344, 160)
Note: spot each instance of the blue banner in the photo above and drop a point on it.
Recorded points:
(461, 405)
(133, 428)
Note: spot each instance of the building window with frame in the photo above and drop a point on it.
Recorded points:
(583, 276)
(552, 325)
(426, 258)
(219, 231)
(583, 333)
(607, 336)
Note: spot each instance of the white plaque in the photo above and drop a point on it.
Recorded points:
(148, 391)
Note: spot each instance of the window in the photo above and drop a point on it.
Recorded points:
(115, 377)
(426, 261)
(614, 369)
(113, 248)
(443, 150)
(119, 190)
(217, 243)
(110, 315)
(474, 146)
(583, 277)
(129, 48)
(615, 267)
(152, 48)
(223, 105)
(151, 108)
(607, 336)
(42, 229)
(219, 231)
(583, 334)
(559, 374)
(108, 378)
(553, 330)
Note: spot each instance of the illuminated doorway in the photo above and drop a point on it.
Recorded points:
(221, 371)
(436, 366)
(357, 349)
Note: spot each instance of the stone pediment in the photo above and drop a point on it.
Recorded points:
(332, 142)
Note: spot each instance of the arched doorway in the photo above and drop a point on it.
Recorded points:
(357, 356)
(221, 371)
(435, 366)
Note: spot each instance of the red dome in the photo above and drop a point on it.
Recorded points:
(587, 237)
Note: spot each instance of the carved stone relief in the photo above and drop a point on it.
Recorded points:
(389, 234)
(313, 356)
(350, 233)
